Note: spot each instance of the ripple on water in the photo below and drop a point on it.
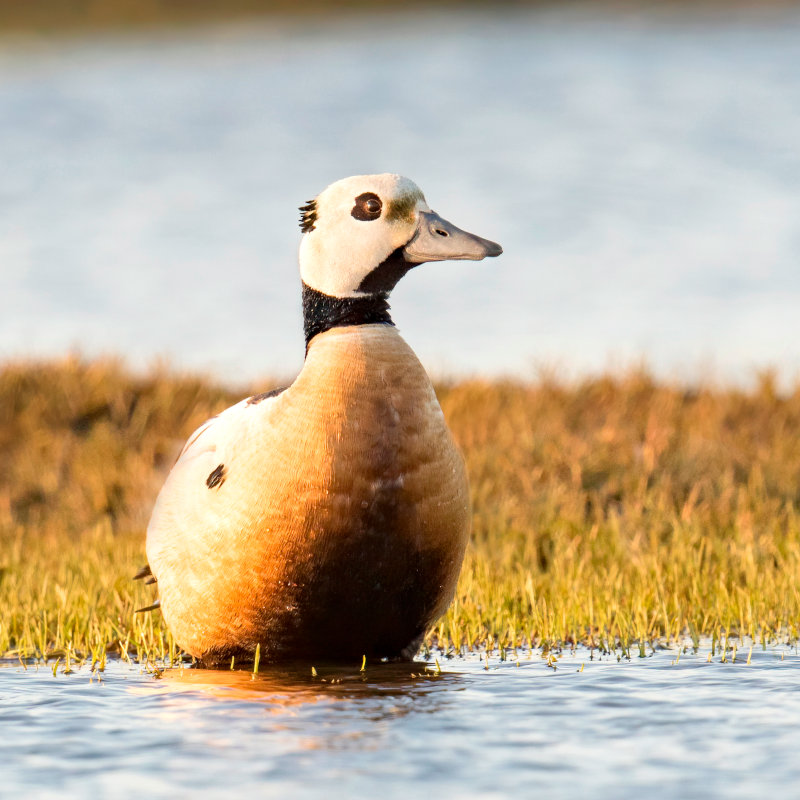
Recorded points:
(692, 728)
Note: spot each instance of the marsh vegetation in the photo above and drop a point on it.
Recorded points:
(613, 512)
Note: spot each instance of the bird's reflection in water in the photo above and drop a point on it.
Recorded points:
(380, 692)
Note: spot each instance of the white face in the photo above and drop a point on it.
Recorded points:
(359, 222)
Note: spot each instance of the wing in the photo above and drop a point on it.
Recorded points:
(195, 507)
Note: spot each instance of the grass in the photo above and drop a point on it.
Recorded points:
(50, 17)
(612, 512)
(57, 16)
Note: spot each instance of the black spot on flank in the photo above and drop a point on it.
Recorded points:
(217, 477)
(367, 208)
(257, 398)
(308, 216)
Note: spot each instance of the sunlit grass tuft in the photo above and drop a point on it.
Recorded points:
(618, 512)
(622, 510)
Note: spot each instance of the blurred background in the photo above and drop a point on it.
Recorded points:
(640, 164)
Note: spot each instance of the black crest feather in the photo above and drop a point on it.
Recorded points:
(308, 216)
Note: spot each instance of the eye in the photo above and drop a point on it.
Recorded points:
(367, 207)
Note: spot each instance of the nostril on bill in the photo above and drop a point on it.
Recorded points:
(441, 232)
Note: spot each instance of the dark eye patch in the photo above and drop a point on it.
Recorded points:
(368, 207)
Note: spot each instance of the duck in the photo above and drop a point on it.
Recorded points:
(327, 519)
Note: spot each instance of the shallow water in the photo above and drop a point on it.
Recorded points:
(641, 171)
(598, 727)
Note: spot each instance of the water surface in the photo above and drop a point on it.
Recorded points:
(659, 726)
(641, 171)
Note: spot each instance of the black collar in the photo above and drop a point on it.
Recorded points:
(321, 312)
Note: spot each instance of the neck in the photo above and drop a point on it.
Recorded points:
(321, 312)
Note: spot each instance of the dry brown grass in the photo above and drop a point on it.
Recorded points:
(624, 509)
(612, 511)
(57, 16)
(70, 16)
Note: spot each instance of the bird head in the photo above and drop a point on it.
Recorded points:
(362, 234)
